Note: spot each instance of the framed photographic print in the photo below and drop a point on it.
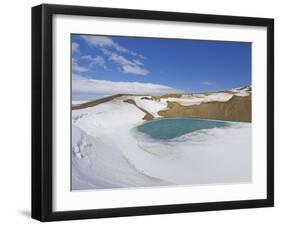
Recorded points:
(145, 112)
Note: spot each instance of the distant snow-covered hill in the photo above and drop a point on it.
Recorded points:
(233, 104)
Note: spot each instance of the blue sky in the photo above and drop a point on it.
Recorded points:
(106, 65)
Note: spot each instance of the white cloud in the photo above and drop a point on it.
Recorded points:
(116, 57)
(75, 47)
(127, 66)
(97, 60)
(134, 69)
(87, 57)
(81, 85)
(207, 83)
(78, 68)
(104, 41)
(100, 41)
(137, 62)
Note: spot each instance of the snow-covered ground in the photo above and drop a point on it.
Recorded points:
(107, 151)
(196, 99)
(152, 106)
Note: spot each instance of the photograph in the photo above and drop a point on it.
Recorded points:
(142, 112)
(159, 112)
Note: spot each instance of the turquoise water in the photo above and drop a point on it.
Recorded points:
(174, 127)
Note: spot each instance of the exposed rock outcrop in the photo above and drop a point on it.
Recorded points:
(236, 109)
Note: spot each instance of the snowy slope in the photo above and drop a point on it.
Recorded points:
(107, 152)
(152, 106)
(196, 99)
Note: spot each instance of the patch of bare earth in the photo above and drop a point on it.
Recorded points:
(96, 102)
(236, 109)
(169, 95)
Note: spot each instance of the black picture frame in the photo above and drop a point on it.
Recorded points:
(42, 107)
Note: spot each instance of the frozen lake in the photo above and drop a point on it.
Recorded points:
(170, 128)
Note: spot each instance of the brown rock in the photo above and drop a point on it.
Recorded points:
(236, 109)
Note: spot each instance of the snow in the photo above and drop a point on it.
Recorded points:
(241, 91)
(97, 134)
(152, 106)
(221, 97)
(196, 99)
(184, 101)
(107, 152)
(188, 100)
(221, 155)
(242, 88)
